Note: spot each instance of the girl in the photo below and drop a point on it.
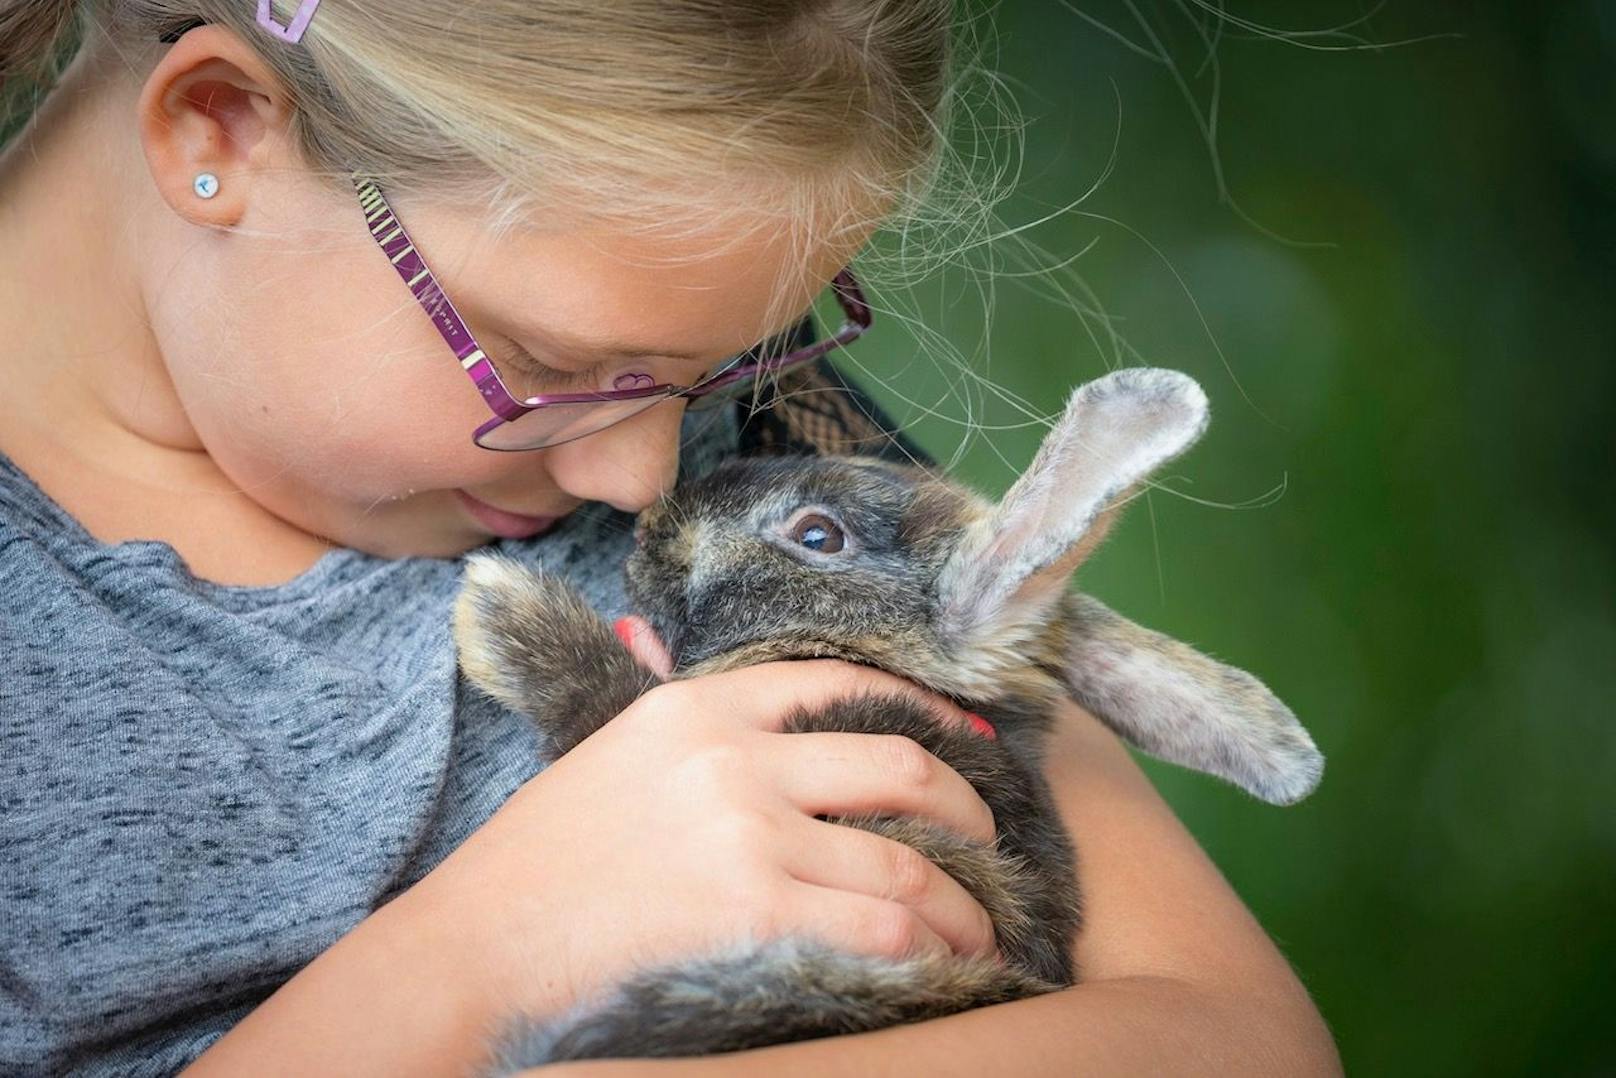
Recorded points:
(252, 820)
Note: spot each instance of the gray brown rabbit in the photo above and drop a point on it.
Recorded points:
(898, 568)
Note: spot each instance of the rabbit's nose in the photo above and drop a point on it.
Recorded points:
(639, 531)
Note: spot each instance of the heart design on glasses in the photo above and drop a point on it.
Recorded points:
(633, 381)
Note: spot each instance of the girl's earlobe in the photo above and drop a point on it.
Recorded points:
(210, 106)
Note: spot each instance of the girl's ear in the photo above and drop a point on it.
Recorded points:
(1014, 563)
(1176, 704)
(211, 104)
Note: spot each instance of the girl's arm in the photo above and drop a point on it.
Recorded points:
(1178, 975)
(528, 916)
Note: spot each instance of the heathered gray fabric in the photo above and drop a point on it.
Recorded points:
(203, 787)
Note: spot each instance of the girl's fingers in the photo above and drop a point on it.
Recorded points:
(852, 859)
(644, 644)
(837, 774)
(763, 695)
(859, 923)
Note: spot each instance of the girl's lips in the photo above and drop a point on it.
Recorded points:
(503, 524)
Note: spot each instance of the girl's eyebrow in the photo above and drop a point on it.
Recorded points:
(605, 348)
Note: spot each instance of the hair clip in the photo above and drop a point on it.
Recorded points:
(292, 32)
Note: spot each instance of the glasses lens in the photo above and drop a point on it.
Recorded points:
(557, 423)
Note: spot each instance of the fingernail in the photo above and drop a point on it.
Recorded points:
(624, 631)
(981, 725)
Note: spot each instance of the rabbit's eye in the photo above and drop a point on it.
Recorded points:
(818, 533)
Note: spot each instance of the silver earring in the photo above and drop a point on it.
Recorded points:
(206, 185)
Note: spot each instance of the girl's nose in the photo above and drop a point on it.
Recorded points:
(627, 466)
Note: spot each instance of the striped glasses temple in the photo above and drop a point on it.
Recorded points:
(400, 250)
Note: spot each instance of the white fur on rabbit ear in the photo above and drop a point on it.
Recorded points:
(1181, 706)
(1015, 562)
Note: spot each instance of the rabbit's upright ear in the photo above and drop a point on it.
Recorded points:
(1014, 563)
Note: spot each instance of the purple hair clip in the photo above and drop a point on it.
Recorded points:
(292, 32)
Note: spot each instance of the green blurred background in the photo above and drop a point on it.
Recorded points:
(1402, 516)
(1416, 415)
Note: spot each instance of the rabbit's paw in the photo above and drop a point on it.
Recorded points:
(531, 642)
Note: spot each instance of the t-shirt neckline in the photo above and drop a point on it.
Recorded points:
(62, 533)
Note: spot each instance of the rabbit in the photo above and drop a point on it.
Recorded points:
(895, 567)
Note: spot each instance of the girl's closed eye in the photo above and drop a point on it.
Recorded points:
(527, 376)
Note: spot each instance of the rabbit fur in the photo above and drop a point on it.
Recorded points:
(933, 583)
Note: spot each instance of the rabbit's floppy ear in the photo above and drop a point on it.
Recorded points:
(1014, 562)
(1179, 705)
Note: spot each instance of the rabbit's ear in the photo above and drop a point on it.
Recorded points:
(1179, 705)
(1014, 563)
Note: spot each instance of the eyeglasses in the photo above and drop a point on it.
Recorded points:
(548, 419)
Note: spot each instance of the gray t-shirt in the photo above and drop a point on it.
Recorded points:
(203, 787)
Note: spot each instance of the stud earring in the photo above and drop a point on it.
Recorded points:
(206, 185)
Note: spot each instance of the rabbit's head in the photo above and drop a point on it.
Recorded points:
(801, 556)
(896, 567)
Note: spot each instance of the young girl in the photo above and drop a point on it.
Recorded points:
(252, 821)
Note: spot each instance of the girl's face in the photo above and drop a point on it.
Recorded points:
(328, 395)
(300, 362)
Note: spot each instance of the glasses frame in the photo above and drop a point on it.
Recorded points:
(388, 232)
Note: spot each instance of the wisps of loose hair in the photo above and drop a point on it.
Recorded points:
(821, 118)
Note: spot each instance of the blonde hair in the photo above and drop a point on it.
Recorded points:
(640, 107)
(814, 118)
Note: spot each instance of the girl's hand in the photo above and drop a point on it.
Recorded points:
(687, 825)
